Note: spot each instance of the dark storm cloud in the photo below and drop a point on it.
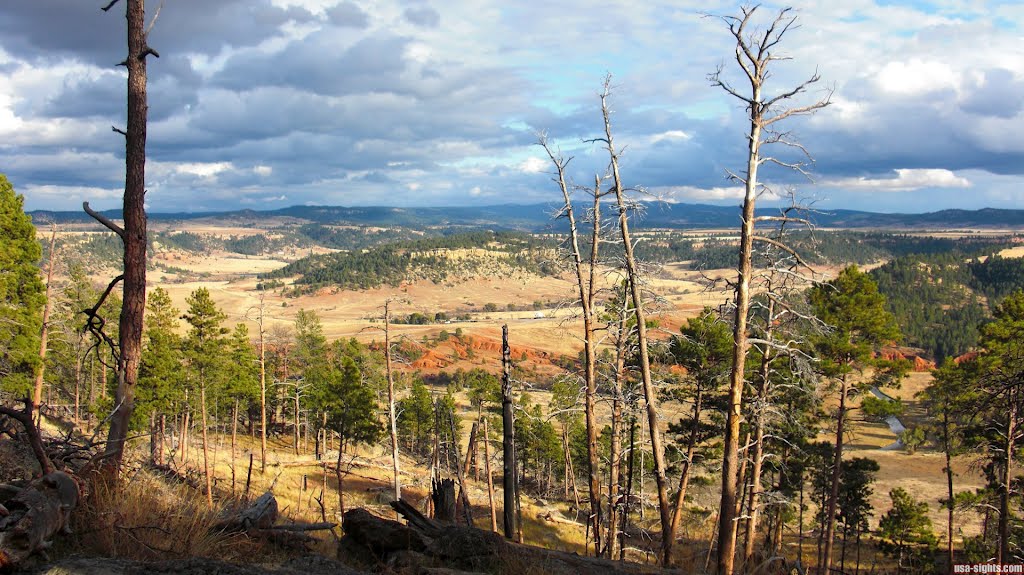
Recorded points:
(318, 65)
(999, 95)
(49, 29)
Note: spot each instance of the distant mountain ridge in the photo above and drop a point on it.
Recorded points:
(538, 217)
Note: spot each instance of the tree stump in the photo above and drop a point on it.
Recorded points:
(442, 493)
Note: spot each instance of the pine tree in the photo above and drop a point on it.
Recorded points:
(906, 533)
(21, 294)
(161, 380)
(310, 361)
(858, 326)
(351, 410)
(205, 352)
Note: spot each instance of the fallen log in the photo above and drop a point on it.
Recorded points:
(35, 514)
(470, 549)
(260, 515)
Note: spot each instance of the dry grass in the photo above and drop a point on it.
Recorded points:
(145, 519)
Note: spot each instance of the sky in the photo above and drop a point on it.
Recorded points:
(264, 104)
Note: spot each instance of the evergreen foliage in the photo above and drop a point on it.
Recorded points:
(22, 294)
(907, 534)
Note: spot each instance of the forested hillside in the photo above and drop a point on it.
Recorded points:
(941, 299)
(432, 259)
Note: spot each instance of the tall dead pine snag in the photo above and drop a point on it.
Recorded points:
(585, 271)
(753, 54)
(133, 234)
(633, 277)
(509, 480)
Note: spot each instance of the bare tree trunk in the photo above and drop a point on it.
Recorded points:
(633, 274)
(263, 392)
(37, 393)
(78, 388)
(160, 444)
(629, 485)
(754, 54)
(759, 423)
(586, 285)
(183, 442)
(133, 306)
(467, 509)
(684, 475)
(298, 419)
(206, 448)
(508, 445)
(570, 472)
(950, 504)
(339, 475)
(825, 560)
(730, 462)
(153, 437)
(1004, 556)
(490, 479)
(392, 413)
(234, 436)
(615, 459)
(470, 448)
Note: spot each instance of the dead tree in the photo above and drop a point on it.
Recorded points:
(587, 286)
(37, 392)
(133, 234)
(633, 276)
(509, 479)
(754, 55)
(263, 380)
(392, 413)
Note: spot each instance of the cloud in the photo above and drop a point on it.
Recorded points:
(423, 16)
(534, 165)
(407, 103)
(905, 180)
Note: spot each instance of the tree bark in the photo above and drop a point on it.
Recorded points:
(490, 479)
(508, 445)
(339, 475)
(730, 461)
(263, 393)
(615, 456)
(37, 392)
(206, 447)
(234, 437)
(1004, 487)
(684, 475)
(585, 283)
(133, 306)
(760, 406)
(950, 506)
(392, 413)
(825, 561)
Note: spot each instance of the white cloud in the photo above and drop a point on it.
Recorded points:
(670, 135)
(916, 77)
(203, 169)
(263, 171)
(533, 165)
(906, 180)
(76, 193)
